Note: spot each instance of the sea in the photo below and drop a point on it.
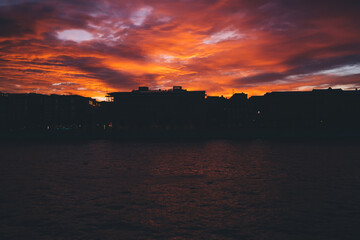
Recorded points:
(177, 189)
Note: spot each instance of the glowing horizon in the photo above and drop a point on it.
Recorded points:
(90, 48)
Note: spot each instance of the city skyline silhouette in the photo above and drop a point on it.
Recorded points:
(168, 113)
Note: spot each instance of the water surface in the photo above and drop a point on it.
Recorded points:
(180, 190)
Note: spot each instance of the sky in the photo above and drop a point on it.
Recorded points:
(92, 47)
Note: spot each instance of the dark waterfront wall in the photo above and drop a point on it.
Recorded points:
(178, 112)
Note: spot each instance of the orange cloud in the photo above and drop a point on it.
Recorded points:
(93, 47)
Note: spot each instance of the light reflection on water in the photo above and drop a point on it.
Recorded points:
(180, 190)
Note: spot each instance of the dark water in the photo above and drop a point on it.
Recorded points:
(174, 190)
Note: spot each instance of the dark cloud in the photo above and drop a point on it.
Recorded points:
(121, 50)
(18, 20)
(306, 66)
(10, 27)
(34, 71)
(302, 65)
(94, 69)
(261, 78)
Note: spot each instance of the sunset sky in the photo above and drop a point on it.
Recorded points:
(89, 47)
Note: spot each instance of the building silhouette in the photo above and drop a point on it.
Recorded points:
(37, 112)
(176, 108)
(216, 112)
(238, 111)
(319, 108)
